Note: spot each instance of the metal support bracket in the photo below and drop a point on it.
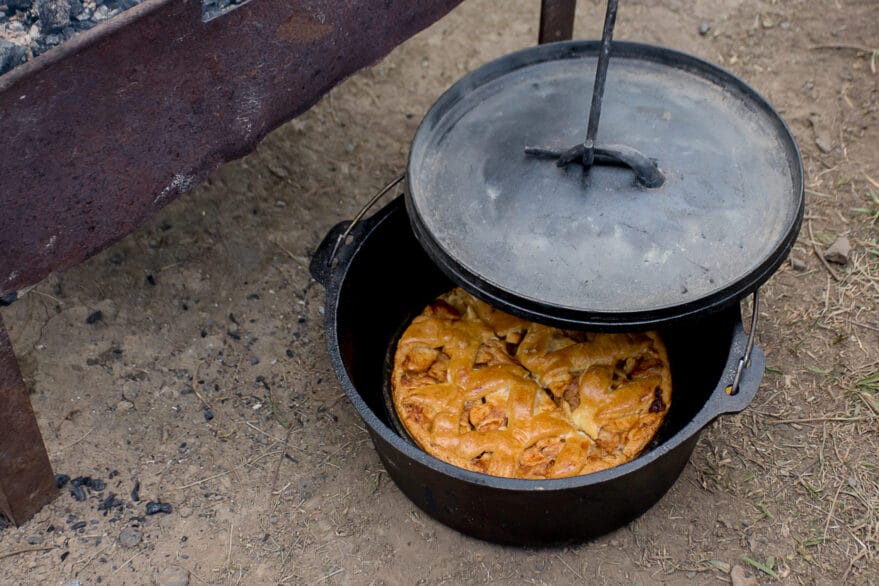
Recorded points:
(556, 20)
(26, 479)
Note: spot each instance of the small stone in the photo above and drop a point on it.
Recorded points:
(130, 390)
(208, 414)
(784, 26)
(54, 14)
(173, 577)
(73, 583)
(704, 28)
(124, 406)
(184, 512)
(130, 537)
(35, 540)
(824, 144)
(838, 252)
(740, 576)
(101, 13)
(798, 264)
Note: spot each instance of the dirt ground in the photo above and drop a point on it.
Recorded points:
(212, 300)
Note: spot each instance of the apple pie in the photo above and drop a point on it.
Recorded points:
(489, 392)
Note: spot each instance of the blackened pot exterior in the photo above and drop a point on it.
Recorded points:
(379, 280)
(533, 516)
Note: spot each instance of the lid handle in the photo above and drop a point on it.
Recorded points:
(588, 153)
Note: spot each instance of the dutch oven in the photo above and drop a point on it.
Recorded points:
(687, 201)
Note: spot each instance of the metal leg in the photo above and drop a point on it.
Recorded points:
(26, 479)
(556, 20)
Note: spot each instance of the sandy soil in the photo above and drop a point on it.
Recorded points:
(234, 318)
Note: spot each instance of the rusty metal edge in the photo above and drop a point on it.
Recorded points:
(81, 41)
(47, 187)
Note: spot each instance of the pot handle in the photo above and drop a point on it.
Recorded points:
(321, 266)
(741, 376)
(324, 259)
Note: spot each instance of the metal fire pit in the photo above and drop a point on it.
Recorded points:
(103, 130)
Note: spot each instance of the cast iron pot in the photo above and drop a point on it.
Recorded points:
(381, 277)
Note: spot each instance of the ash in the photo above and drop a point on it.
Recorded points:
(29, 28)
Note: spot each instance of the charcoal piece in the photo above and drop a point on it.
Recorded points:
(81, 481)
(135, 492)
(11, 55)
(61, 480)
(78, 526)
(54, 14)
(110, 502)
(77, 491)
(208, 414)
(152, 508)
(75, 8)
(97, 485)
(94, 317)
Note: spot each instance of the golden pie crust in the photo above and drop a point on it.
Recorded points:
(489, 392)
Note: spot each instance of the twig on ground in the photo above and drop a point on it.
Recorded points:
(328, 576)
(863, 325)
(92, 558)
(820, 256)
(14, 552)
(843, 47)
(195, 387)
(817, 420)
(85, 435)
(281, 459)
(229, 557)
(830, 513)
(567, 565)
(128, 561)
(231, 470)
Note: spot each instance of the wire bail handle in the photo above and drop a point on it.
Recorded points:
(746, 359)
(372, 201)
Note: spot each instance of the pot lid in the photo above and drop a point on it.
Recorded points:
(594, 247)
